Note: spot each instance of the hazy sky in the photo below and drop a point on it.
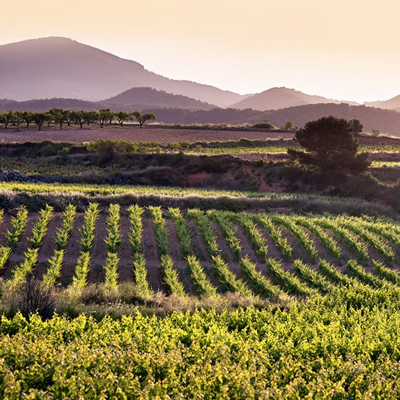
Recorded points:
(341, 49)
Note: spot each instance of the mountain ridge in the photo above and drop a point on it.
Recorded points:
(281, 97)
(57, 67)
(64, 68)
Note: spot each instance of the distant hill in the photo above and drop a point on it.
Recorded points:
(147, 97)
(277, 98)
(62, 68)
(131, 100)
(386, 121)
(47, 104)
(391, 104)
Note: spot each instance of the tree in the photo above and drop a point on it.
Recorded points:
(18, 118)
(122, 116)
(87, 117)
(288, 126)
(330, 146)
(142, 118)
(28, 117)
(104, 116)
(39, 118)
(59, 116)
(8, 118)
(357, 126)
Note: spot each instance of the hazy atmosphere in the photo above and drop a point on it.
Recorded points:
(343, 49)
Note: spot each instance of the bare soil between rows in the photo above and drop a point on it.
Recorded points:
(151, 253)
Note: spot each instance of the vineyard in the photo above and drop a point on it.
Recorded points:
(322, 323)
(198, 253)
(200, 289)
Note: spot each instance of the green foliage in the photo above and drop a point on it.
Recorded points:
(265, 287)
(21, 271)
(228, 278)
(142, 118)
(300, 233)
(18, 226)
(111, 272)
(201, 282)
(371, 238)
(171, 277)
(357, 245)
(318, 349)
(288, 281)
(136, 230)
(207, 231)
(182, 230)
(54, 269)
(228, 229)
(64, 232)
(160, 229)
(113, 239)
(79, 280)
(276, 235)
(135, 240)
(333, 274)
(88, 229)
(40, 229)
(386, 273)
(357, 271)
(324, 238)
(254, 235)
(202, 285)
(311, 277)
(140, 272)
(5, 253)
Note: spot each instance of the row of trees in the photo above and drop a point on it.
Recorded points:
(61, 117)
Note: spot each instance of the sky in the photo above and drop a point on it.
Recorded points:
(340, 49)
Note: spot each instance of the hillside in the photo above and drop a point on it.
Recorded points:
(60, 67)
(386, 121)
(391, 104)
(277, 98)
(147, 97)
(47, 104)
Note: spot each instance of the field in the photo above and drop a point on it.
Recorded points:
(146, 134)
(195, 291)
(259, 251)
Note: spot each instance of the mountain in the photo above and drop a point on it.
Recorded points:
(143, 98)
(57, 67)
(391, 104)
(277, 98)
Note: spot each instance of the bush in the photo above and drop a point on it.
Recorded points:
(330, 146)
(33, 298)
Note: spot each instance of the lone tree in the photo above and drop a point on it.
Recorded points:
(330, 146)
(142, 118)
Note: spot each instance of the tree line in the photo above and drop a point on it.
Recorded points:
(61, 117)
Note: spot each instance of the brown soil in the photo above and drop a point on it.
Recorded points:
(154, 134)
(134, 134)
